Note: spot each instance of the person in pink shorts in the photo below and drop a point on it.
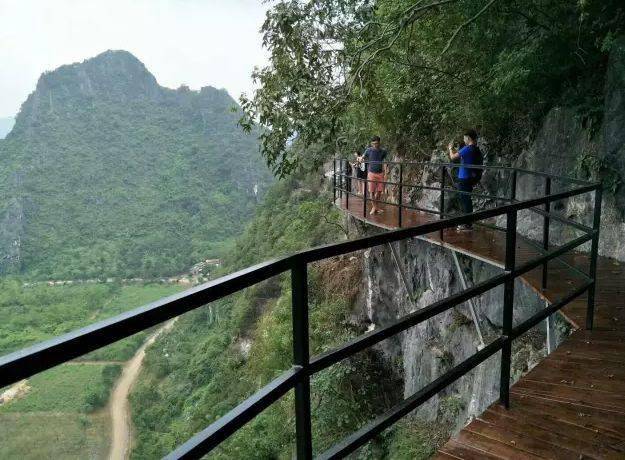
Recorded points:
(374, 156)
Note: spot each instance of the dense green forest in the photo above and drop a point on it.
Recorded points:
(418, 72)
(106, 173)
(31, 314)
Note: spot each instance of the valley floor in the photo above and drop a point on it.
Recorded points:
(66, 412)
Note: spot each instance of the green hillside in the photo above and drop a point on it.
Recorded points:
(106, 173)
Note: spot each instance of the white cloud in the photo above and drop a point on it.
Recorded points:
(192, 42)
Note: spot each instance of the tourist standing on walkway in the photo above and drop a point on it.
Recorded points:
(468, 155)
(374, 156)
(361, 172)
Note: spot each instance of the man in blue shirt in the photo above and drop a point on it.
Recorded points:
(374, 156)
(468, 156)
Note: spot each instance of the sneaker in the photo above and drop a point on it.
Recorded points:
(464, 228)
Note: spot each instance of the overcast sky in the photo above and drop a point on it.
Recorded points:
(192, 42)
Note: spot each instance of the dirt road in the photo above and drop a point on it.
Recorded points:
(121, 440)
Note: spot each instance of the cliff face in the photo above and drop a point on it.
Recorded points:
(114, 175)
(428, 350)
(562, 147)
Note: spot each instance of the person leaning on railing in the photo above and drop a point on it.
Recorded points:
(467, 177)
(374, 156)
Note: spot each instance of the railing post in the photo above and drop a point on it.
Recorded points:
(364, 196)
(341, 185)
(334, 180)
(594, 250)
(508, 309)
(513, 185)
(401, 194)
(301, 357)
(348, 185)
(441, 204)
(546, 225)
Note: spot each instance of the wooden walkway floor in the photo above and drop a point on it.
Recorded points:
(572, 404)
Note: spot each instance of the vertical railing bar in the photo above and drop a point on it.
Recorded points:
(301, 357)
(348, 185)
(364, 194)
(334, 180)
(401, 195)
(441, 205)
(513, 185)
(341, 180)
(594, 250)
(546, 225)
(508, 309)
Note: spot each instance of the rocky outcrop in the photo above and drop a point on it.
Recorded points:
(426, 351)
(613, 130)
(11, 231)
(564, 147)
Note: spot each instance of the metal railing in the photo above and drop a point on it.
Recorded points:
(42, 356)
(342, 186)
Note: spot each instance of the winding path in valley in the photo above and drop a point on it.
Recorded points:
(121, 440)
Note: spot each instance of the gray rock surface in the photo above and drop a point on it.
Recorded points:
(428, 350)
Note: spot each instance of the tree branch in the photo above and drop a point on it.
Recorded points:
(408, 17)
(466, 23)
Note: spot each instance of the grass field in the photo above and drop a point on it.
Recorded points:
(49, 435)
(65, 388)
(61, 414)
(32, 314)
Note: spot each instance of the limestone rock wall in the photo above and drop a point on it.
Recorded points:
(428, 350)
(564, 147)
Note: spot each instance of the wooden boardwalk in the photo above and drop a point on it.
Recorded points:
(572, 404)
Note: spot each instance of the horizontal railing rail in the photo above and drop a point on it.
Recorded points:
(438, 165)
(42, 356)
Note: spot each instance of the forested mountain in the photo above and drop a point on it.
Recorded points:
(6, 124)
(106, 173)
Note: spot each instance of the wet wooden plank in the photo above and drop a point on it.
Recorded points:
(485, 244)
(456, 450)
(568, 394)
(601, 422)
(571, 438)
(526, 441)
(493, 446)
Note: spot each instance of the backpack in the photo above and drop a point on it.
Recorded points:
(478, 160)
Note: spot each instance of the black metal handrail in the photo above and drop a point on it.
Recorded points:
(42, 356)
(344, 187)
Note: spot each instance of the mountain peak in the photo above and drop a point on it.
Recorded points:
(114, 74)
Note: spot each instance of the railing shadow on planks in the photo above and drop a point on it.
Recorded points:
(39, 357)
